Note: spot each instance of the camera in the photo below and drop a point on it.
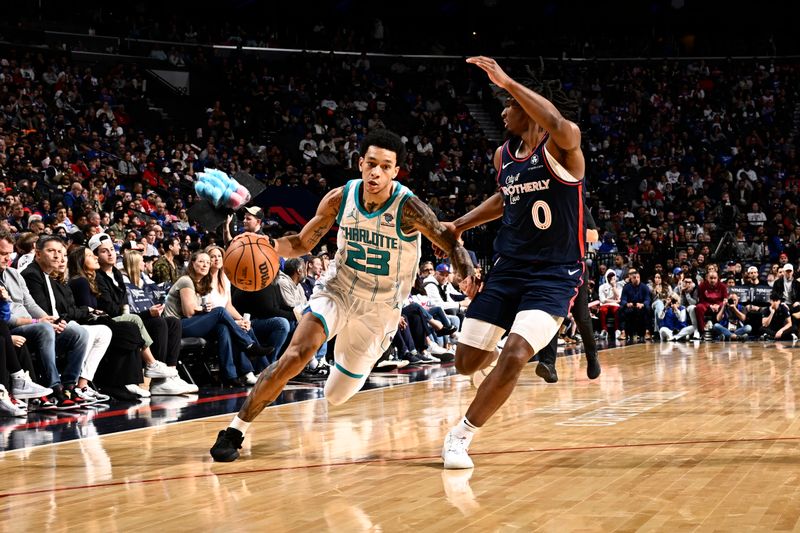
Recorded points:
(730, 301)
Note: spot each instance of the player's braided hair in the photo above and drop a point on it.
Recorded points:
(550, 89)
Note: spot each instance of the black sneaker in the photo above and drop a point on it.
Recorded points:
(592, 365)
(61, 400)
(41, 404)
(447, 331)
(547, 372)
(226, 449)
(255, 351)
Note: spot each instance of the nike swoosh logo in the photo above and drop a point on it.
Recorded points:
(510, 162)
(573, 272)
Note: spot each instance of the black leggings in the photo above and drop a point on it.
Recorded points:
(583, 320)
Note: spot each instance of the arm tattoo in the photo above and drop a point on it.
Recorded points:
(417, 216)
(318, 226)
(257, 400)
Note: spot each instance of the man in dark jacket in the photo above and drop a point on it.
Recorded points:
(787, 289)
(635, 305)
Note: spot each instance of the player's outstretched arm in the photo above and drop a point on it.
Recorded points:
(315, 230)
(564, 133)
(489, 210)
(417, 216)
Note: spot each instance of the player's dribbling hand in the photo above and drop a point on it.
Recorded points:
(490, 66)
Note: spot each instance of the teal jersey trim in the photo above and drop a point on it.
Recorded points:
(360, 185)
(400, 216)
(347, 373)
(321, 319)
(343, 202)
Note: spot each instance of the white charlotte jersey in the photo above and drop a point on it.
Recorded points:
(375, 260)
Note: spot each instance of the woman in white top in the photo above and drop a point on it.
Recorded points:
(220, 296)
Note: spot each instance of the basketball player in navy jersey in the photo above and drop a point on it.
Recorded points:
(539, 249)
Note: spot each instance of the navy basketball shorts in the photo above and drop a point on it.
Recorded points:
(513, 286)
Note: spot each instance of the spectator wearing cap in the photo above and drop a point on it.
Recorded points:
(159, 336)
(251, 223)
(165, 268)
(443, 294)
(788, 289)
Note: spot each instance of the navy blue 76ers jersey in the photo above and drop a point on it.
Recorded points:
(543, 208)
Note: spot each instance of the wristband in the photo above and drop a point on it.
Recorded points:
(34, 320)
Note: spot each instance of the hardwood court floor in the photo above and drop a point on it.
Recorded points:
(670, 438)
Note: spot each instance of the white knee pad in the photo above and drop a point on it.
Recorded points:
(536, 327)
(479, 334)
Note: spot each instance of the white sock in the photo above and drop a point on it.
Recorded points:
(465, 430)
(238, 423)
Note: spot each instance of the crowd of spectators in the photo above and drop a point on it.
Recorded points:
(689, 164)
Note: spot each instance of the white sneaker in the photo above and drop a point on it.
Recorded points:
(160, 370)
(8, 407)
(23, 387)
(190, 388)
(170, 387)
(478, 376)
(84, 394)
(137, 390)
(99, 396)
(604, 334)
(454, 452)
(250, 378)
(435, 349)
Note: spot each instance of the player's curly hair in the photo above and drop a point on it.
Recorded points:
(550, 89)
(388, 140)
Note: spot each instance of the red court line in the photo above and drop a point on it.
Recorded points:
(396, 460)
(108, 414)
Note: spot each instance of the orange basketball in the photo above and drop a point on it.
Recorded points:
(250, 262)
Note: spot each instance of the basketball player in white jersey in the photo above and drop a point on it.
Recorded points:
(360, 296)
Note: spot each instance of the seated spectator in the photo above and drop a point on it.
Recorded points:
(165, 268)
(188, 301)
(97, 282)
(610, 295)
(777, 321)
(293, 298)
(660, 292)
(711, 295)
(313, 272)
(635, 307)
(15, 369)
(788, 289)
(45, 333)
(44, 280)
(674, 326)
(143, 295)
(267, 332)
(730, 322)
